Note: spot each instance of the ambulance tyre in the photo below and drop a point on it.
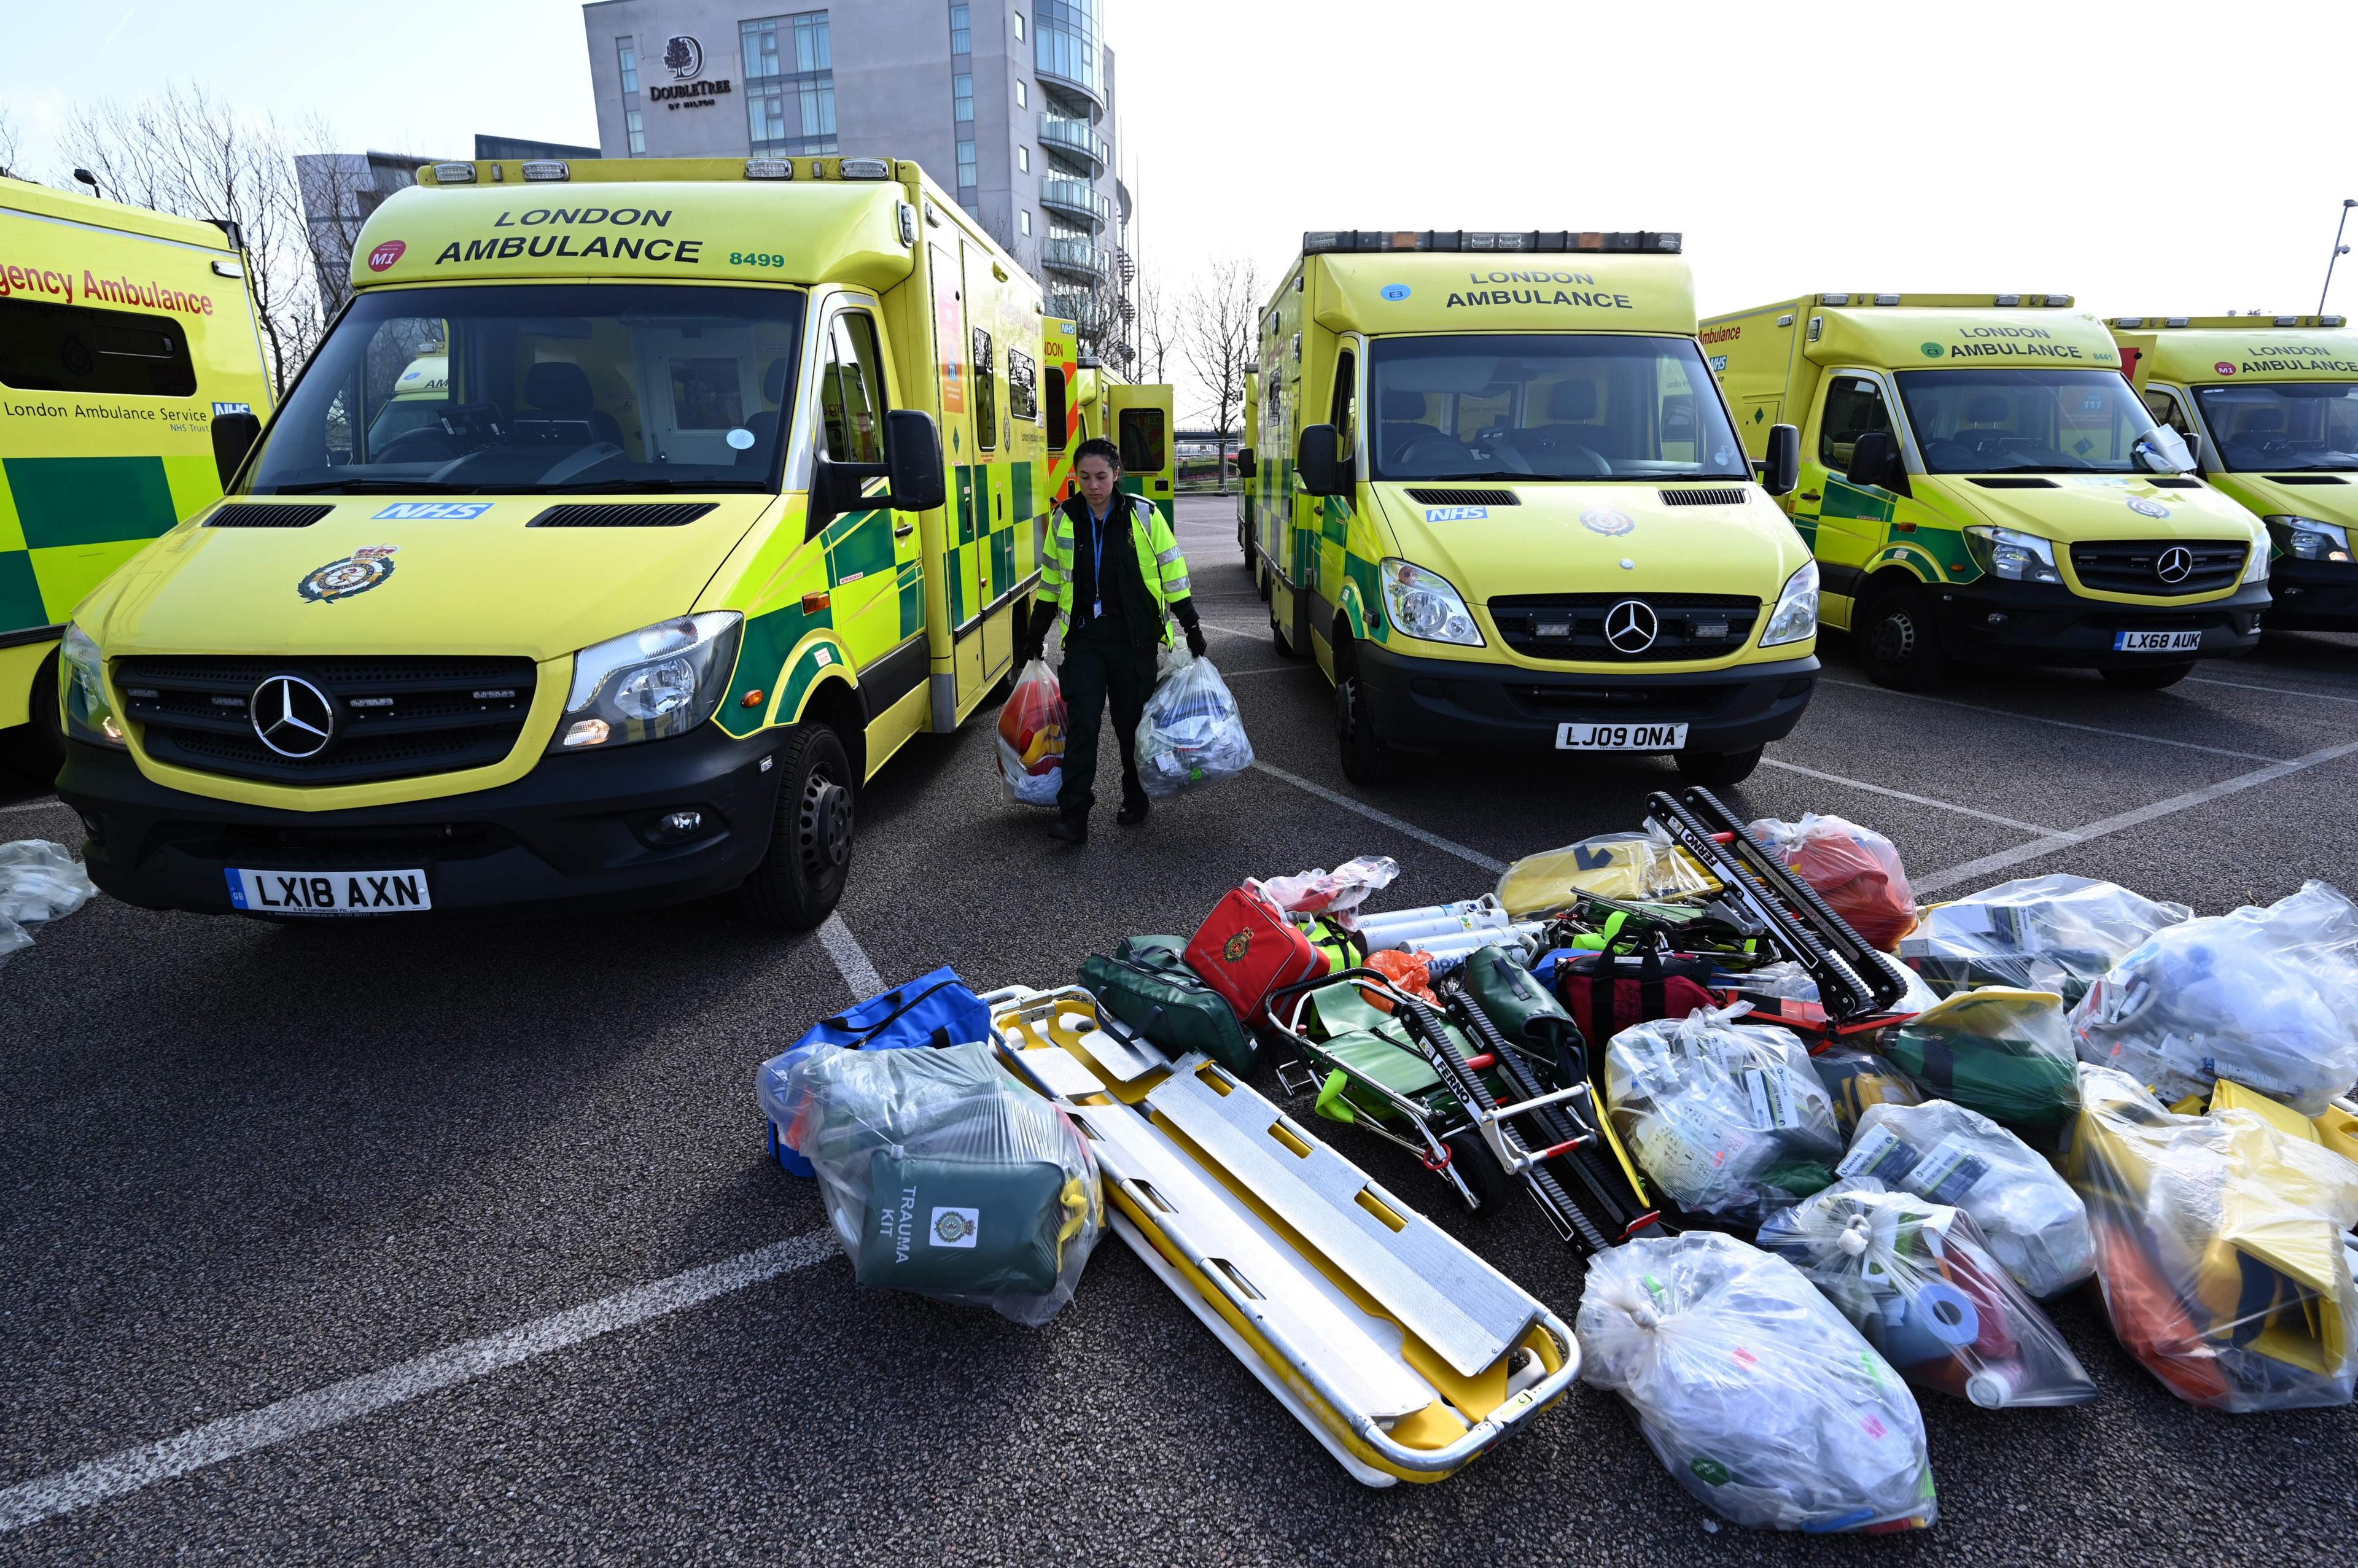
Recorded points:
(1367, 755)
(1897, 641)
(1478, 1169)
(1718, 769)
(796, 885)
(1260, 575)
(36, 749)
(2147, 677)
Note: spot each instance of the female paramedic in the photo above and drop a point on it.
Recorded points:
(1111, 576)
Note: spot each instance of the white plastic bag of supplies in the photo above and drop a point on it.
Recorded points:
(1031, 738)
(38, 881)
(1753, 1392)
(2052, 933)
(1726, 1119)
(2266, 997)
(945, 1176)
(1336, 894)
(1192, 734)
(1919, 1281)
(2036, 1225)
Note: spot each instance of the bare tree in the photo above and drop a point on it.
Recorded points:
(187, 152)
(1216, 339)
(1156, 331)
(10, 152)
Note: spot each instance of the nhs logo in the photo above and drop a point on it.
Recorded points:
(422, 510)
(221, 408)
(1455, 513)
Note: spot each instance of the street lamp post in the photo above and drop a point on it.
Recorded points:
(2340, 250)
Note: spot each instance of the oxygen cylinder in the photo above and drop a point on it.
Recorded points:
(1417, 928)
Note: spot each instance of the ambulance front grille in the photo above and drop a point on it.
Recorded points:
(247, 514)
(395, 718)
(2135, 565)
(1572, 625)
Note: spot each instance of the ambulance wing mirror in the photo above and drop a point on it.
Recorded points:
(1245, 462)
(233, 436)
(1781, 469)
(912, 449)
(1320, 466)
(1875, 463)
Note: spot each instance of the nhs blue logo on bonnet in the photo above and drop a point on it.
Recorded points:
(1455, 513)
(419, 510)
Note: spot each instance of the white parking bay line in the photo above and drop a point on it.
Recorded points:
(51, 804)
(1974, 871)
(1473, 856)
(1912, 799)
(30, 1502)
(851, 960)
(2058, 723)
(2278, 690)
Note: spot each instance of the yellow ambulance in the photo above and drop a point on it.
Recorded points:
(1084, 400)
(731, 487)
(127, 338)
(2269, 405)
(1500, 500)
(1247, 471)
(1980, 485)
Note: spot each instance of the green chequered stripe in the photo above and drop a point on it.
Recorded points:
(981, 566)
(760, 657)
(89, 501)
(912, 584)
(21, 592)
(1849, 501)
(857, 544)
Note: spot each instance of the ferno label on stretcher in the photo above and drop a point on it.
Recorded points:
(1627, 866)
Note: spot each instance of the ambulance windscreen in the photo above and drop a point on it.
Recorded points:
(2284, 427)
(2024, 421)
(1546, 406)
(544, 388)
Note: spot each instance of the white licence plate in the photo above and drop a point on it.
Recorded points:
(2156, 642)
(330, 893)
(1620, 737)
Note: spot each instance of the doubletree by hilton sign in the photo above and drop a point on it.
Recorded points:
(683, 57)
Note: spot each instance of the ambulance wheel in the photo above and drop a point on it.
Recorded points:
(2147, 677)
(1718, 769)
(1261, 575)
(36, 749)
(1897, 640)
(1478, 1169)
(1367, 755)
(800, 878)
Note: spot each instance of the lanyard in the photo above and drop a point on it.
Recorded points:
(1097, 558)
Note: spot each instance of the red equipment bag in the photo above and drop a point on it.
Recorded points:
(1248, 948)
(1606, 993)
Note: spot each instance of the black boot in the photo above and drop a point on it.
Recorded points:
(1133, 813)
(1073, 830)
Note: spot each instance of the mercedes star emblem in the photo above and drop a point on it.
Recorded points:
(292, 716)
(2176, 563)
(1630, 626)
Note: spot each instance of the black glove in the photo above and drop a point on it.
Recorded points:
(1195, 641)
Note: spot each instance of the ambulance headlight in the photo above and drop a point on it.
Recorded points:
(1796, 615)
(664, 680)
(2010, 556)
(2304, 539)
(81, 687)
(1423, 604)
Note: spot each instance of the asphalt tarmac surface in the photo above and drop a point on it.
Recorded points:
(402, 1242)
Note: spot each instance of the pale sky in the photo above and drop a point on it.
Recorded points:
(2147, 157)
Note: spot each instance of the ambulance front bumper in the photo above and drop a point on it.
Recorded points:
(1431, 705)
(2313, 596)
(1992, 622)
(578, 834)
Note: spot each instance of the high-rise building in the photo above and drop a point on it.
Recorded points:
(1007, 103)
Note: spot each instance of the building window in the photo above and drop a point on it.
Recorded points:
(962, 98)
(961, 32)
(789, 84)
(629, 57)
(1024, 218)
(1067, 46)
(1023, 159)
(1019, 26)
(966, 166)
(636, 126)
(1022, 95)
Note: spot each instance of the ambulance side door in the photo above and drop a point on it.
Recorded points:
(1845, 524)
(875, 581)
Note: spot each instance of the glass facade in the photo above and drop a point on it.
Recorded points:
(961, 31)
(789, 85)
(1066, 46)
(966, 166)
(636, 126)
(630, 59)
(962, 97)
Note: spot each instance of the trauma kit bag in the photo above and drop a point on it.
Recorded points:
(1032, 725)
(2005, 1054)
(1148, 986)
(1608, 992)
(1759, 1398)
(942, 1175)
(1633, 867)
(934, 1010)
(1248, 948)
(1511, 997)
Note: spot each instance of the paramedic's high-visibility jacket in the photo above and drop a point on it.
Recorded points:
(1162, 570)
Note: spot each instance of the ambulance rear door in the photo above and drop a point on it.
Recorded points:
(1143, 429)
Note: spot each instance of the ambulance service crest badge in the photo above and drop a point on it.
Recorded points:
(362, 570)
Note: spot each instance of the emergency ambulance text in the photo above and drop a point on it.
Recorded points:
(59, 285)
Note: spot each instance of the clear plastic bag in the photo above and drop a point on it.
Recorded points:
(40, 881)
(1753, 1392)
(1855, 870)
(1192, 734)
(1787, 981)
(2005, 1054)
(1726, 1119)
(2054, 933)
(1857, 1081)
(2221, 1248)
(1335, 895)
(1630, 866)
(1032, 737)
(2268, 997)
(945, 1176)
(2036, 1225)
(1919, 1281)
